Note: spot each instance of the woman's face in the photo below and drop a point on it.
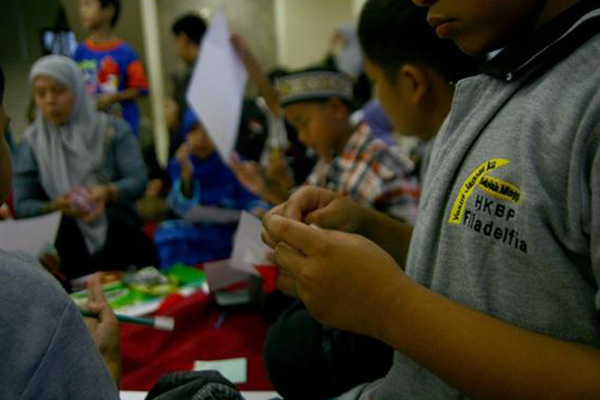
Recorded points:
(53, 99)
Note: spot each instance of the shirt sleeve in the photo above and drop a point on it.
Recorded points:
(398, 191)
(136, 74)
(386, 181)
(29, 196)
(592, 219)
(71, 367)
(178, 202)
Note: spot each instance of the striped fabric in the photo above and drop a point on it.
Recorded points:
(372, 174)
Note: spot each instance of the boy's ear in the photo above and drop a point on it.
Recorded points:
(415, 82)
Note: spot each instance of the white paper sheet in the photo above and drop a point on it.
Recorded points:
(234, 369)
(212, 215)
(217, 87)
(29, 235)
(220, 275)
(248, 247)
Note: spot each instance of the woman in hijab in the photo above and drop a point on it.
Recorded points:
(85, 164)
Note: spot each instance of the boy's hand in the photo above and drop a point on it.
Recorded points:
(183, 157)
(278, 170)
(322, 207)
(249, 173)
(105, 100)
(345, 280)
(105, 329)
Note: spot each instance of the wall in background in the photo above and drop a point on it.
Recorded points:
(305, 27)
(253, 19)
(21, 24)
(291, 33)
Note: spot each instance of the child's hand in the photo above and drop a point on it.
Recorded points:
(322, 207)
(278, 171)
(183, 156)
(345, 280)
(249, 173)
(155, 188)
(105, 329)
(105, 100)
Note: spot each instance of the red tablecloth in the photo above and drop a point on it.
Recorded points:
(148, 354)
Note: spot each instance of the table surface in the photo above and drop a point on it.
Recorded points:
(203, 331)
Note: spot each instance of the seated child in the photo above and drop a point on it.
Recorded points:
(352, 162)
(417, 102)
(200, 177)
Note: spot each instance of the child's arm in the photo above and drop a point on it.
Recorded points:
(105, 100)
(255, 180)
(136, 84)
(259, 78)
(348, 282)
(186, 168)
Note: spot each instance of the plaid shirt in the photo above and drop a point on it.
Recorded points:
(372, 174)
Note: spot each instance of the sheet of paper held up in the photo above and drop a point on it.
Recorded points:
(234, 369)
(212, 215)
(29, 235)
(217, 87)
(248, 247)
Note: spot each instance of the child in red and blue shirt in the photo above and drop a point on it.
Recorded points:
(112, 69)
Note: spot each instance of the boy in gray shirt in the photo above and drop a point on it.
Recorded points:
(499, 298)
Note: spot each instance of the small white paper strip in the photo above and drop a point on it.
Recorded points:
(234, 369)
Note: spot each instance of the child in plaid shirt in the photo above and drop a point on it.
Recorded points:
(352, 162)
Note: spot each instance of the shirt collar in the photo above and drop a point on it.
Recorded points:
(546, 46)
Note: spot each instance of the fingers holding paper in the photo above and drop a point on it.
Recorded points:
(322, 207)
(339, 276)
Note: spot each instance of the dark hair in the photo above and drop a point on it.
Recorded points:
(2, 83)
(395, 32)
(190, 25)
(116, 4)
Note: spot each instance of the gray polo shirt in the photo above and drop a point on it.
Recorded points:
(509, 221)
(45, 348)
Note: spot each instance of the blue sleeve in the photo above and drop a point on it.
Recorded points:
(132, 175)
(78, 55)
(30, 198)
(178, 202)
